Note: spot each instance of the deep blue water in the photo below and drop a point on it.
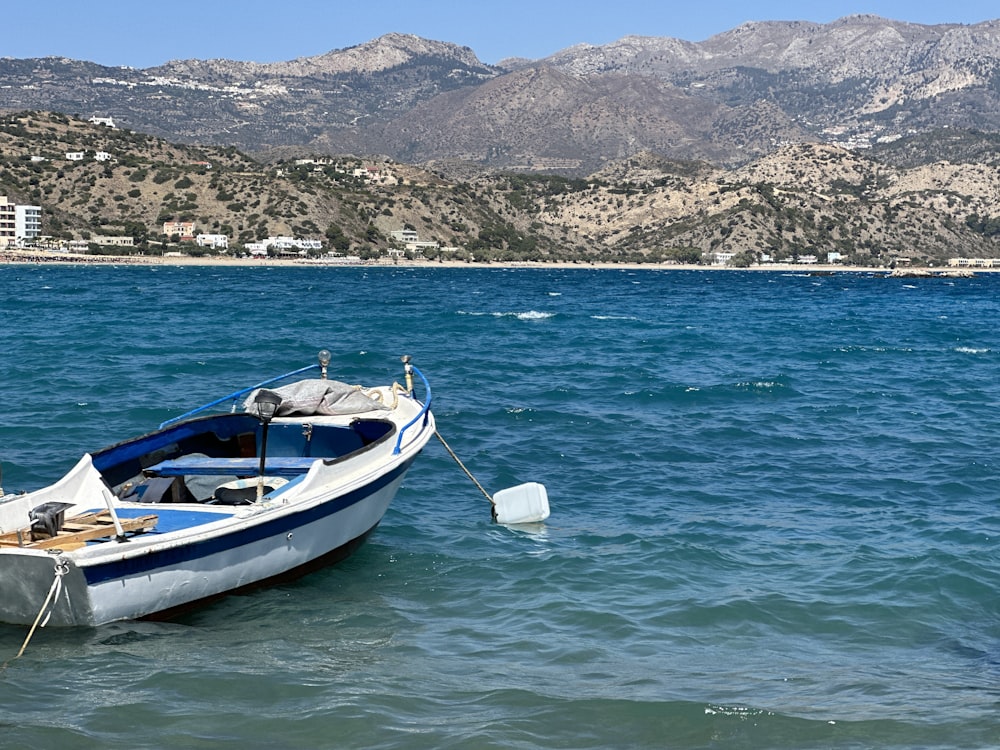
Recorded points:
(774, 510)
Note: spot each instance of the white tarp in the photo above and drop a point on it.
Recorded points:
(317, 397)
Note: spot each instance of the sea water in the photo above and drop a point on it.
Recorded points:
(774, 510)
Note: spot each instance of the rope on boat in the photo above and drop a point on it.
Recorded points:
(376, 395)
(61, 569)
(467, 472)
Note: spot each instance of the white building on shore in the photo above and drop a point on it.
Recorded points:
(8, 213)
(27, 223)
(411, 241)
(19, 224)
(974, 262)
(283, 245)
(214, 241)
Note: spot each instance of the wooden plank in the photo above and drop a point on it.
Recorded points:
(22, 537)
(14, 538)
(79, 530)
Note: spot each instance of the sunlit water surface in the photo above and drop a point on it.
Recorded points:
(774, 510)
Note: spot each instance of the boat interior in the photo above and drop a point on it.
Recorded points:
(192, 472)
(212, 459)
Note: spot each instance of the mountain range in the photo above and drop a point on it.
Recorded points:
(803, 200)
(860, 81)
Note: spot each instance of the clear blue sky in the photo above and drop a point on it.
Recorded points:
(144, 33)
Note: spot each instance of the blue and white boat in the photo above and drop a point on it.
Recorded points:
(212, 502)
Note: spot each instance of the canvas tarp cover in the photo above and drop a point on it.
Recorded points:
(316, 398)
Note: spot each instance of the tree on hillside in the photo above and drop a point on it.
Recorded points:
(137, 230)
(337, 239)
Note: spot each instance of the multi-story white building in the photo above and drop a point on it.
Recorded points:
(8, 222)
(404, 235)
(411, 241)
(18, 224)
(27, 223)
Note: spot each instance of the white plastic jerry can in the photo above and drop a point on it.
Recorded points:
(525, 503)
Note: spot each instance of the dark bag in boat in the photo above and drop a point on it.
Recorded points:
(46, 519)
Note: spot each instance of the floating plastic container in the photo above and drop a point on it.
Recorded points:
(526, 503)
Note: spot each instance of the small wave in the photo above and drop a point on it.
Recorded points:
(971, 350)
(529, 315)
(876, 349)
(760, 384)
(533, 315)
(555, 294)
(742, 712)
(613, 317)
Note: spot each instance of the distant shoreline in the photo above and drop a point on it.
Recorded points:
(20, 257)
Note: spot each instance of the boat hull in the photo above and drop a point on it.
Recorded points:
(156, 580)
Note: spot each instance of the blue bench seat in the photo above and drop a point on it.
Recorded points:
(276, 466)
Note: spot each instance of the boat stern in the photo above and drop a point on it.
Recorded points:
(38, 584)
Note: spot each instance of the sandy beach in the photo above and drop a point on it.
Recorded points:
(11, 256)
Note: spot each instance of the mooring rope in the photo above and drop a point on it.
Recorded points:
(467, 472)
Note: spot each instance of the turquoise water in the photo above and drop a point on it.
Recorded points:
(774, 511)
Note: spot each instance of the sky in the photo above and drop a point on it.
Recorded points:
(141, 34)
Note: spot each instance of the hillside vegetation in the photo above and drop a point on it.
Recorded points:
(804, 199)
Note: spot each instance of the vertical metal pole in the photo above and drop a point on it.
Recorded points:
(408, 369)
(119, 531)
(263, 458)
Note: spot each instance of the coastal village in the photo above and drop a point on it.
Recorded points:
(21, 224)
(21, 239)
(98, 190)
(20, 230)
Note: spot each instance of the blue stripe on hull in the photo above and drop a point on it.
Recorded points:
(178, 556)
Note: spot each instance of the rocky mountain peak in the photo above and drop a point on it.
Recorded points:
(376, 56)
(389, 51)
